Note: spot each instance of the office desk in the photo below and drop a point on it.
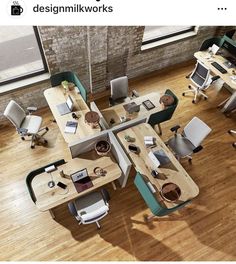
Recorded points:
(173, 172)
(56, 96)
(203, 57)
(115, 112)
(48, 198)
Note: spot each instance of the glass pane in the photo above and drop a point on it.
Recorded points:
(152, 32)
(19, 52)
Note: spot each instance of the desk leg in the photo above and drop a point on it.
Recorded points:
(52, 214)
(149, 218)
(222, 103)
(113, 185)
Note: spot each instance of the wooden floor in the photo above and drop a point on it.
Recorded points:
(205, 230)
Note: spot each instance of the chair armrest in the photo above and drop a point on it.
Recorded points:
(31, 109)
(22, 131)
(105, 195)
(72, 209)
(175, 128)
(134, 93)
(111, 102)
(197, 149)
(213, 79)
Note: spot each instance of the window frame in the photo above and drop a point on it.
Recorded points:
(191, 29)
(45, 70)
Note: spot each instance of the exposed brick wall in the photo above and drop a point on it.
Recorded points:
(65, 49)
(115, 51)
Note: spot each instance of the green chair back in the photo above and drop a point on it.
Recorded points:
(151, 200)
(36, 172)
(83, 91)
(69, 76)
(165, 114)
(209, 42)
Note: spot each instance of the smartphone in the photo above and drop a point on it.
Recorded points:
(133, 148)
(61, 185)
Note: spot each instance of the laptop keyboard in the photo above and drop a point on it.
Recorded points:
(218, 67)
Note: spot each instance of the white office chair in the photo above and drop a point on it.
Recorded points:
(26, 125)
(119, 90)
(91, 207)
(202, 79)
(183, 145)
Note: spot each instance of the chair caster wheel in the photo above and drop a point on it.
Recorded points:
(32, 147)
(22, 138)
(205, 98)
(189, 87)
(183, 94)
(45, 141)
(229, 131)
(46, 128)
(194, 102)
(190, 160)
(234, 145)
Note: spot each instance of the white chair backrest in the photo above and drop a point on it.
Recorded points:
(200, 75)
(14, 113)
(119, 87)
(94, 216)
(196, 130)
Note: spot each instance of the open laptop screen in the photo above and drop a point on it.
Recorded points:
(69, 103)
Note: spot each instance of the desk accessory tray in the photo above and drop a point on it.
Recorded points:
(148, 104)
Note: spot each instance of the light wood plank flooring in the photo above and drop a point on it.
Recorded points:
(205, 230)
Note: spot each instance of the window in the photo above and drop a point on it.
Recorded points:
(158, 35)
(21, 54)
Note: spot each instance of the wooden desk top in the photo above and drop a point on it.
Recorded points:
(48, 198)
(203, 57)
(170, 173)
(115, 112)
(56, 96)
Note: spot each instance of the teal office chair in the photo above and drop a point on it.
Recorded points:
(230, 33)
(151, 201)
(209, 42)
(165, 114)
(69, 76)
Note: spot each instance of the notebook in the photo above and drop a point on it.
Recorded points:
(71, 127)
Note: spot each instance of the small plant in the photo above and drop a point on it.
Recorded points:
(65, 85)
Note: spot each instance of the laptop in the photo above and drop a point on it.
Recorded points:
(81, 180)
(131, 107)
(66, 107)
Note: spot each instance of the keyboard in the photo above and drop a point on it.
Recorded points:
(218, 67)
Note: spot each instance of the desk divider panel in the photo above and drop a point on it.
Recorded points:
(128, 124)
(102, 120)
(121, 159)
(86, 144)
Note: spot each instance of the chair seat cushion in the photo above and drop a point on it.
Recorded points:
(89, 203)
(180, 145)
(90, 206)
(32, 123)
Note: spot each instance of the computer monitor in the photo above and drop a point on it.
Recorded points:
(69, 103)
(228, 51)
